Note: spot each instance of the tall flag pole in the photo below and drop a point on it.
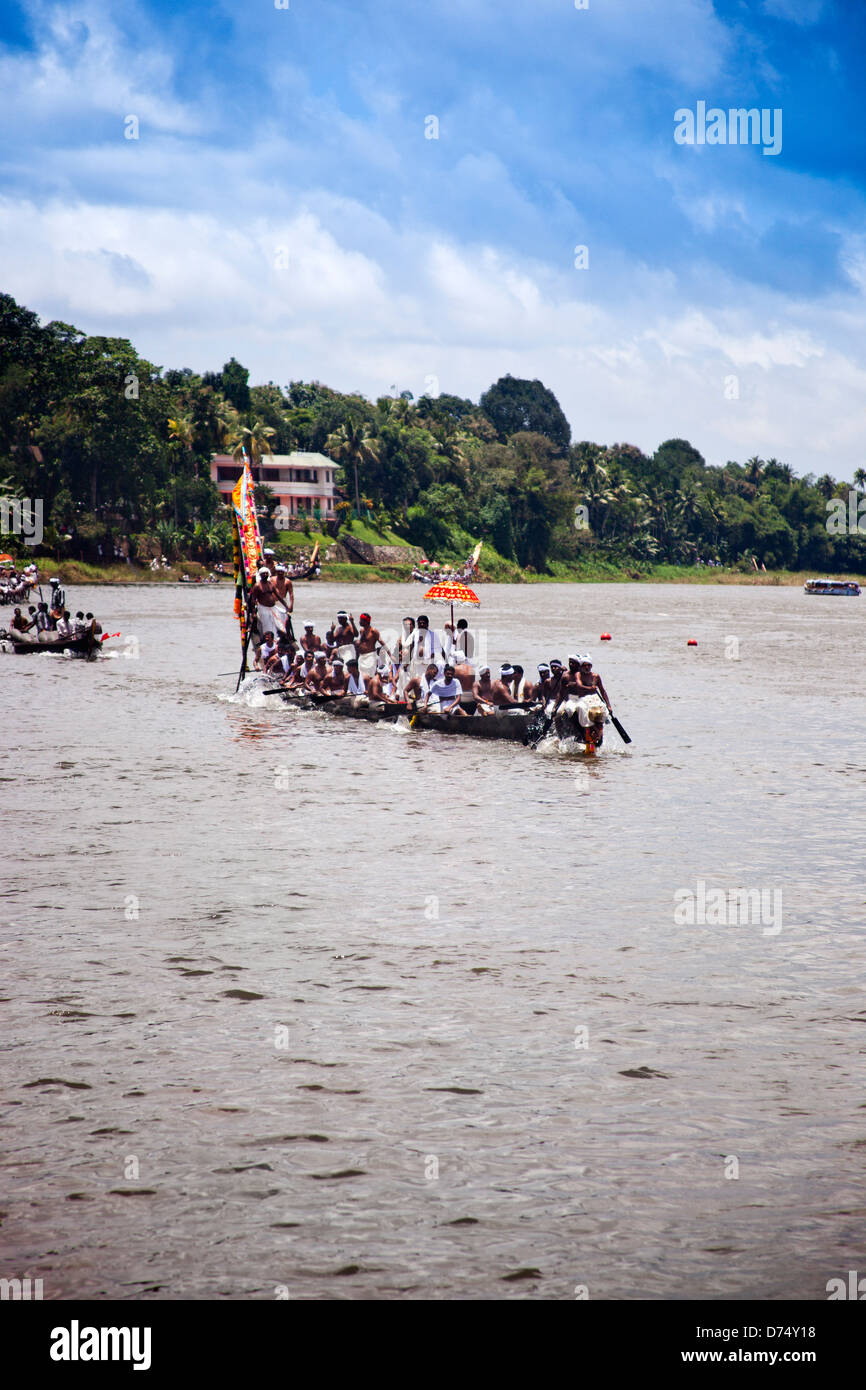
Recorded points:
(247, 554)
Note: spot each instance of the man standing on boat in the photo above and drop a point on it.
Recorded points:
(263, 605)
(424, 645)
(283, 586)
(345, 631)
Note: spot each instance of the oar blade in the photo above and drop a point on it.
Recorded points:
(620, 730)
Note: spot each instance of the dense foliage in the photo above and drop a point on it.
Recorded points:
(120, 448)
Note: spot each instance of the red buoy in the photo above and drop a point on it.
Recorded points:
(605, 637)
(692, 642)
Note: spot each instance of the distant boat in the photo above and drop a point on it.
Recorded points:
(838, 588)
(24, 645)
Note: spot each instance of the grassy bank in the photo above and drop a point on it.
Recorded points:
(495, 570)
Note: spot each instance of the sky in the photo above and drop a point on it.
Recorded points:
(389, 195)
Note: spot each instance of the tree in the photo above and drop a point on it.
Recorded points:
(513, 404)
(235, 385)
(352, 444)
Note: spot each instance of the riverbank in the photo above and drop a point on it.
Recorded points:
(76, 572)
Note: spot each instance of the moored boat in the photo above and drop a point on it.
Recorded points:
(836, 588)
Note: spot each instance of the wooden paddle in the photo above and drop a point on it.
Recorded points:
(620, 730)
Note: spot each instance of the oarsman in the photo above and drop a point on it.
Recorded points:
(446, 691)
(318, 675)
(356, 684)
(64, 626)
(502, 696)
(43, 618)
(270, 562)
(591, 681)
(80, 626)
(380, 687)
(310, 641)
(518, 685)
(556, 669)
(285, 652)
(417, 685)
(19, 622)
(294, 675)
(335, 682)
(300, 674)
(401, 649)
(570, 683)
(267, 652)
(482, 689)
(345, 630)
(329, 644)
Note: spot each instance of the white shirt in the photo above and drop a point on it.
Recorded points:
(357, 687)
(445, 691)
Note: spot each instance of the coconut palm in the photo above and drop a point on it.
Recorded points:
(353, 443)
(253, 440)
(860, 478)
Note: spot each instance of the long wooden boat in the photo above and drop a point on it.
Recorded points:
(23, 645)
(835, 588)
(522, 726)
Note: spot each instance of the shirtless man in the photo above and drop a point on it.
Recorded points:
(570, 683)
(263, 597)
(310, 642)
(380, 686)
(591, 681)
(298, 677)
(335, 682)
(368, 639)
(283, 586)
(482, 689)
(345, 630)
(317, 676)
(295, 675)
(502, 688)
(19, 622)
(417, 686)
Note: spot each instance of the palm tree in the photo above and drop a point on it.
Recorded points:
(354, 443)
(253, 440)
(826, 486)
(183, 430)
(860, 478)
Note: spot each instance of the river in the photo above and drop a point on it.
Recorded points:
(300, 1007)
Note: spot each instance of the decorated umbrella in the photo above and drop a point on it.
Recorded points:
(451, 592)
(7, 560)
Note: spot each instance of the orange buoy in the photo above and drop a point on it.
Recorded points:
(605, 637)
(692, 642)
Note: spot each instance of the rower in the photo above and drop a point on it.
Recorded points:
(501, 687)
(19, 622)
(591, 680)
(482, 689)
(335, 681)
(381, 687)
(417, 686)
(267, 652)
(446, 691)
(310, 642)
(295, 673)
(318, 675)
(518, 685)
(271, 562)
(300, 676)
(570, 683)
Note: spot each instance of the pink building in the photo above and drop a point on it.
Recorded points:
(300, 482)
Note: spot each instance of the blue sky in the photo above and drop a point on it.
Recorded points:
(283, 204)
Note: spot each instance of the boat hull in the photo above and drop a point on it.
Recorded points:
(79, 646)
(504, 727)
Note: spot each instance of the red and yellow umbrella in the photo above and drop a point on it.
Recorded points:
(451, 592)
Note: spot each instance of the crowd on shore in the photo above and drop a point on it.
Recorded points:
(419, 667)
